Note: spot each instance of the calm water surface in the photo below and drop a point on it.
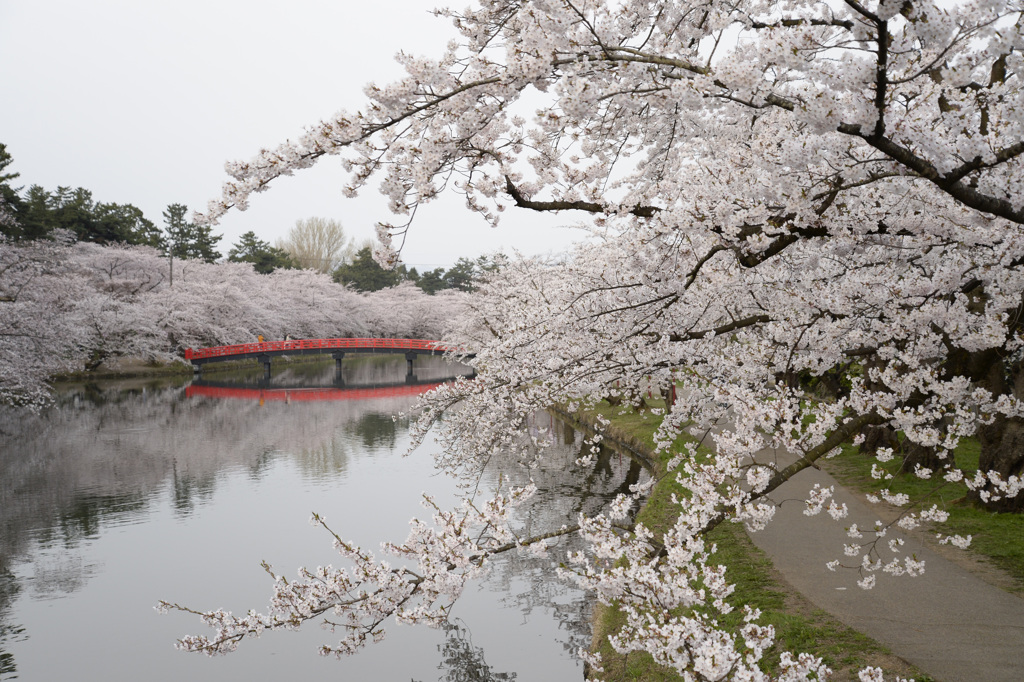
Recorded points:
(125, 494)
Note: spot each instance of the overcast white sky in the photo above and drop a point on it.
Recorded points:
(142, 102)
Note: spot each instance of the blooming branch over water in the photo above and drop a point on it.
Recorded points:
(807, 228)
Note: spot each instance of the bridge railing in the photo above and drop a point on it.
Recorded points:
(315, 344)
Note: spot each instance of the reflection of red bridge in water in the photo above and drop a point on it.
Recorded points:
(265, 350)
(307, 394)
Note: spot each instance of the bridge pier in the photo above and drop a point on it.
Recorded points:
(339, 378)
(265, 360)
(409, 375)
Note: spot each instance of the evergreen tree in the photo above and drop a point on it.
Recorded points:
(264, 257)
(466, 273)
(460, 276)
(364, 274)
(188, 240)
(72, 210)
(34, 215)
(432, 281)
(5, 160)
(41, 212)
(125, 223)
(10, 202)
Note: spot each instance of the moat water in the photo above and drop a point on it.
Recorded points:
(125, 493)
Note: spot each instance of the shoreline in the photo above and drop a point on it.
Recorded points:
(845, 649)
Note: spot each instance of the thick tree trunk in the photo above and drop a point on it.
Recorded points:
(884, 436)
(876, 437)
(1002, 450)
(1002, 441)
(826, 386)
(914, 454)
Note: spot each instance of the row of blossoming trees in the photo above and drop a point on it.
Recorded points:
(70, 306)
(779, 189)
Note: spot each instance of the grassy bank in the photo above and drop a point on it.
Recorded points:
(126, 368)
(799, 626)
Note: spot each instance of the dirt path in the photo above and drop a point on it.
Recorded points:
(948, 622)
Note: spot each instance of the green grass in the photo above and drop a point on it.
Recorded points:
(799, 626)
(997, 538)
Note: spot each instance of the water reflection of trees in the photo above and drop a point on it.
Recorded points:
(462, 661)
(186, 490)
(564, 491)
(103, 454)
(9, 633)
(375, 430)
(84, 516)
(105, 450)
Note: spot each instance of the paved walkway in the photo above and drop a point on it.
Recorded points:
(947, 622)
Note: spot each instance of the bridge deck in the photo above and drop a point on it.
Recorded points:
(199, 356)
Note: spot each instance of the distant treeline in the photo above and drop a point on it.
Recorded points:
(38, 213)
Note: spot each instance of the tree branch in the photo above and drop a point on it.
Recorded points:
(837, 438)
(949, 184)
(724, 329)
(589, 206)
(791, 23)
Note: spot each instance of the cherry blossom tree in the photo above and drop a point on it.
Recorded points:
(406, 311)
(110, 312)
(36, 339)
(779, 191)
(76, 306)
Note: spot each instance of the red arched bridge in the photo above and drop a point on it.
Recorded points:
(263, 351)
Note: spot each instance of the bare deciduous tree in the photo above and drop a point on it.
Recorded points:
(317, 244)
